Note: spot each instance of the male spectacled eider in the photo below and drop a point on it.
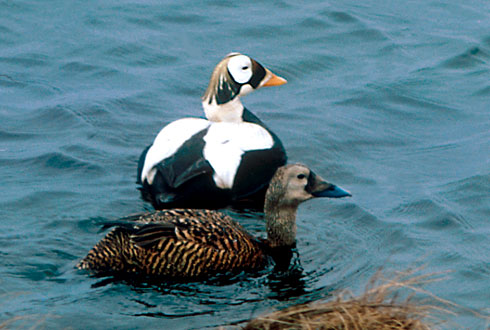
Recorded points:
(227, 159)
(190, 244)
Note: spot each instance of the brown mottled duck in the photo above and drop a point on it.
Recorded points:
(187, 243)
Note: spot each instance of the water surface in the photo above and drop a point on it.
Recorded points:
(388, 100)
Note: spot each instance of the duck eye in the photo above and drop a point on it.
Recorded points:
(301, 176)
(244, 67)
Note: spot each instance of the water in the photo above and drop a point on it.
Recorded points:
(389, 100)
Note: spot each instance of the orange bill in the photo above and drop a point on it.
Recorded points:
(274, 80)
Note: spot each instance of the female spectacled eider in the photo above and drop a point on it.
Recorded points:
(226, 159)
(189, 244)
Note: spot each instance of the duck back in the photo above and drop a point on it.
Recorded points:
(177, 244)
(221, 164)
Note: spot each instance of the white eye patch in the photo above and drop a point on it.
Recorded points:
(240, 68)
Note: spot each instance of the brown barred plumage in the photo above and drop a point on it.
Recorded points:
(176, 243)
(186, 243)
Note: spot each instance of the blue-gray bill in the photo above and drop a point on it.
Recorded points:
(332, 191)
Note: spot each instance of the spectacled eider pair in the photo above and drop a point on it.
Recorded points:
(188, 244)
(227, 159)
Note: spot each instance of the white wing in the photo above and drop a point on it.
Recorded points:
(170, 138)
(225, 145)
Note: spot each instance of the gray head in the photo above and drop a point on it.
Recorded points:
(295, 183)
(236, 75)
(291, 185)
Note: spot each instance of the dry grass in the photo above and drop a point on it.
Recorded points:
(380, 307)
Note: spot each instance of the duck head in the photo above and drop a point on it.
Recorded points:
(290, 186)
(235, 76)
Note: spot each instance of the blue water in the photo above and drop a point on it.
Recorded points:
(390, 100)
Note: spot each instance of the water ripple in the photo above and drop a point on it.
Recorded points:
(306, 66)
(473, 57)
(430, 214)
(35, 201)
(182, 18)
(314, 23)
(340, 16)
(485, 91)
(17, 136)
(77, 66)
(8, 81)
(51, 162)
(384, 99)
(27, 60)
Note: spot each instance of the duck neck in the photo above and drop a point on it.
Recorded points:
(281, 224)
(230, 112)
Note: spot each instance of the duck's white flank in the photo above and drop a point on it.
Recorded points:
(225, 145)
(170, 138)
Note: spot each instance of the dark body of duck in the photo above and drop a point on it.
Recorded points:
(187, 244)
(226, 159)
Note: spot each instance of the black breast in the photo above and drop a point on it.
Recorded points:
(256, 169)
